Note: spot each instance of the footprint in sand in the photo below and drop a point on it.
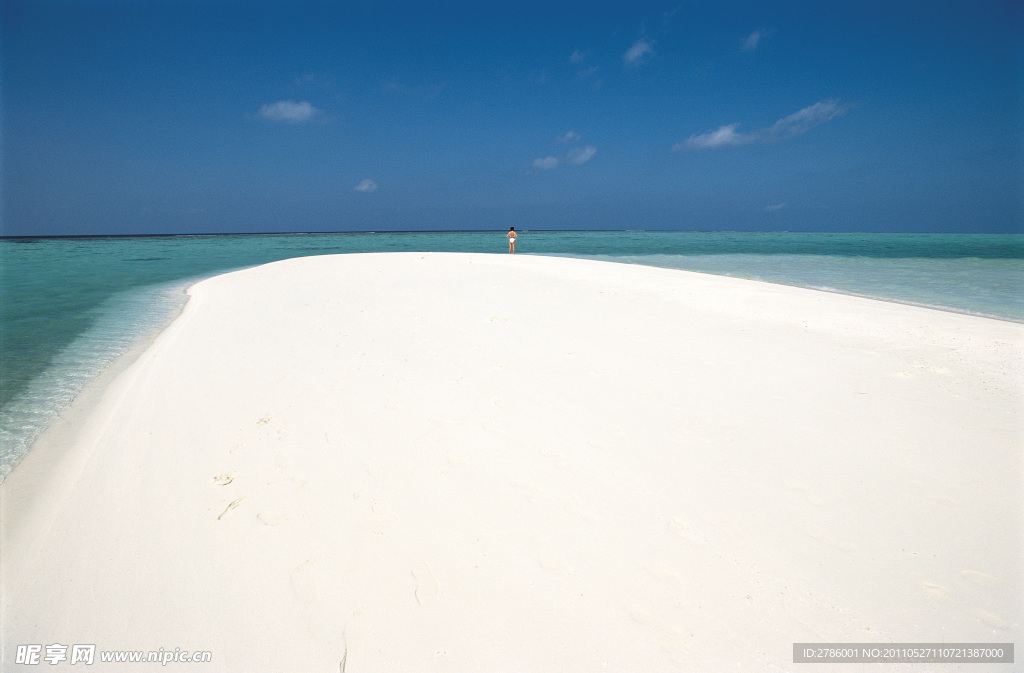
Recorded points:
(677, 525)
(993, 620)
(648, 619)
(981, 579)
(427, 587)
(825, 536)
(303, 582)
(530, 491)
(555, 457)
(234, 503)
(272, 518)
(672, 636)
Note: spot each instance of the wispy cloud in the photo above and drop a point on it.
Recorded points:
(795, 124)
(577, 156)
(288, 111)
(806, 119)
(724, 136)
(581, 155)
(777, 206)
(366, 185)
(585, 72)
(754, 39)
(636, 54)
(667, 17)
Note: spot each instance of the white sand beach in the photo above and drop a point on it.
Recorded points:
(481, 463)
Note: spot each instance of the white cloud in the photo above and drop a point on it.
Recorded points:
(795, 124)
(366, 185)
(578, 56)
(581, 155)
(750, 44)
(635, 54)
(577, 156)
(569, 137)
(288, 111)
(806, 119)
(725, 136)
(777, 206)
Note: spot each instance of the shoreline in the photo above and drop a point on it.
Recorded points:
(93, 374)
(49, 458)
(817, 288)
(592, 473)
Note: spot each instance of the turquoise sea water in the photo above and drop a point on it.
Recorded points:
(70, 307)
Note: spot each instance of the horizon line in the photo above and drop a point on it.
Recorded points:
(483, 231)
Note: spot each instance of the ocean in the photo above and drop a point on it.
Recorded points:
(69, 307)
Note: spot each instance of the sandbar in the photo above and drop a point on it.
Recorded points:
(465, 462)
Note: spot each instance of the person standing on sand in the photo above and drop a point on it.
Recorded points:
(511, 236)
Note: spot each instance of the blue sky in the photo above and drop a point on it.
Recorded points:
(150, 116)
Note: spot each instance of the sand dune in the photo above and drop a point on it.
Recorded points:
(441, 462)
